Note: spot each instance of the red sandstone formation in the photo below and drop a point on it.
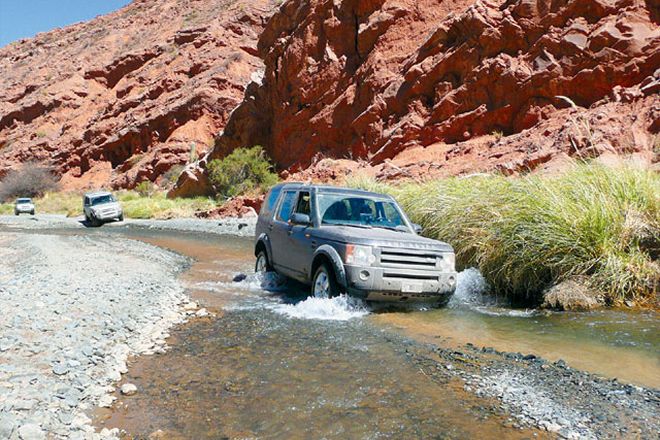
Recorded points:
(124, 97)
(422, 87)
(403, 88)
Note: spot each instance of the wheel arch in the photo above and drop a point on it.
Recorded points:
(328, 254)
(263, 243)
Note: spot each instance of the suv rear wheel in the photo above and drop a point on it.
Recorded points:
(324, 284)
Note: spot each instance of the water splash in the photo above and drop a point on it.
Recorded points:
(340, 308)
(472, 292)
(471, 288)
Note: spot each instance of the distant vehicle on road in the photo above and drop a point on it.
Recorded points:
(100, 207)
(24, 206)
(341, 240)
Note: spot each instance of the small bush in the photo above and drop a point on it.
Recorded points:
(31, 180)
(526, 234)
(172, 175)
(244, 170)
(145, 189)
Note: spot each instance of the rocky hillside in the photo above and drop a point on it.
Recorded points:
(421, 87)
(125, 97)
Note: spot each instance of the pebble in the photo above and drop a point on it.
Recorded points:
(128, 389)
(31, 432)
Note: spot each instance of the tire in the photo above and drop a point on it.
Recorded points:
(262, 264)
(95, 222)
(121, 218)
(15, 213)
(324, 284)
(32, 213)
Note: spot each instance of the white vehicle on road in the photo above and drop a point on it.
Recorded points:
(24, 206)
(100, 207)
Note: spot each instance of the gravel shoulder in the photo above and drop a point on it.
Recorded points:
(551, 396)
(74, 308)
(243, 227)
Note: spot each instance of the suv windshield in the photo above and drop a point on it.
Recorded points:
(21, 201)
(102, 199)
(352, 210)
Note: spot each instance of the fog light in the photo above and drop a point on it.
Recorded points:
(364, 275)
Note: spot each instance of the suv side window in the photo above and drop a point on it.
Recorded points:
(286, 206)
(304, 203)
(269, 205)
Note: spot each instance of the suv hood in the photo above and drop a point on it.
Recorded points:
(380, 237)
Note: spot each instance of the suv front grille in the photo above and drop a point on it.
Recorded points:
(409, 258)
(410, 264)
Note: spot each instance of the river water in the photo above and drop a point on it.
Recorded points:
(273, 363)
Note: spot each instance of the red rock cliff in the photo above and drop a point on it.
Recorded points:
(475, 82)
(124, 97)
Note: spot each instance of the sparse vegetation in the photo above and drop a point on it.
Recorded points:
(193, 152)
(172, 175)
(243, 171)
(157, 206)
(31, 180)
(145, 189)
(528, 233)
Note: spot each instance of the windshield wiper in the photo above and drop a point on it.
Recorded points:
(353, 225)
(392, 228)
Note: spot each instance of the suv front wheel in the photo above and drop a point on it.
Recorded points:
(324, 284)
(262, 264)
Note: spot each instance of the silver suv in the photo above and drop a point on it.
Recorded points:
(24, 206)
(100, 207)
(341, 240)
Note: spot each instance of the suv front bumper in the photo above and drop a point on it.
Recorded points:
(107, 214)
(373, 284)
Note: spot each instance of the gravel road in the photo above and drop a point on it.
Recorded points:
(74, 308)
(243, 227)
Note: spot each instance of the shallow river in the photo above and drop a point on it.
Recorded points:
(275, 363)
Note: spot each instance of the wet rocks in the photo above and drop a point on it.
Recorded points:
(572, 295)
(552, 396)
(81, 306)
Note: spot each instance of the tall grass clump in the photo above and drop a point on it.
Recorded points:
(526, 234)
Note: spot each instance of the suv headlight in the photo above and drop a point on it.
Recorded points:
(359, 255)
(448, 262)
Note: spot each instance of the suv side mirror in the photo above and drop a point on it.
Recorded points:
(417, 228)
(300, 219)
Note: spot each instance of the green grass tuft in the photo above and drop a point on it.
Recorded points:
(528, 233)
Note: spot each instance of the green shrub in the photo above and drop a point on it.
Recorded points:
(145, 189)
(528, 233)
(243, 171)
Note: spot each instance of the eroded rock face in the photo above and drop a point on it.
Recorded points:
(375, 79)
(124, 97)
